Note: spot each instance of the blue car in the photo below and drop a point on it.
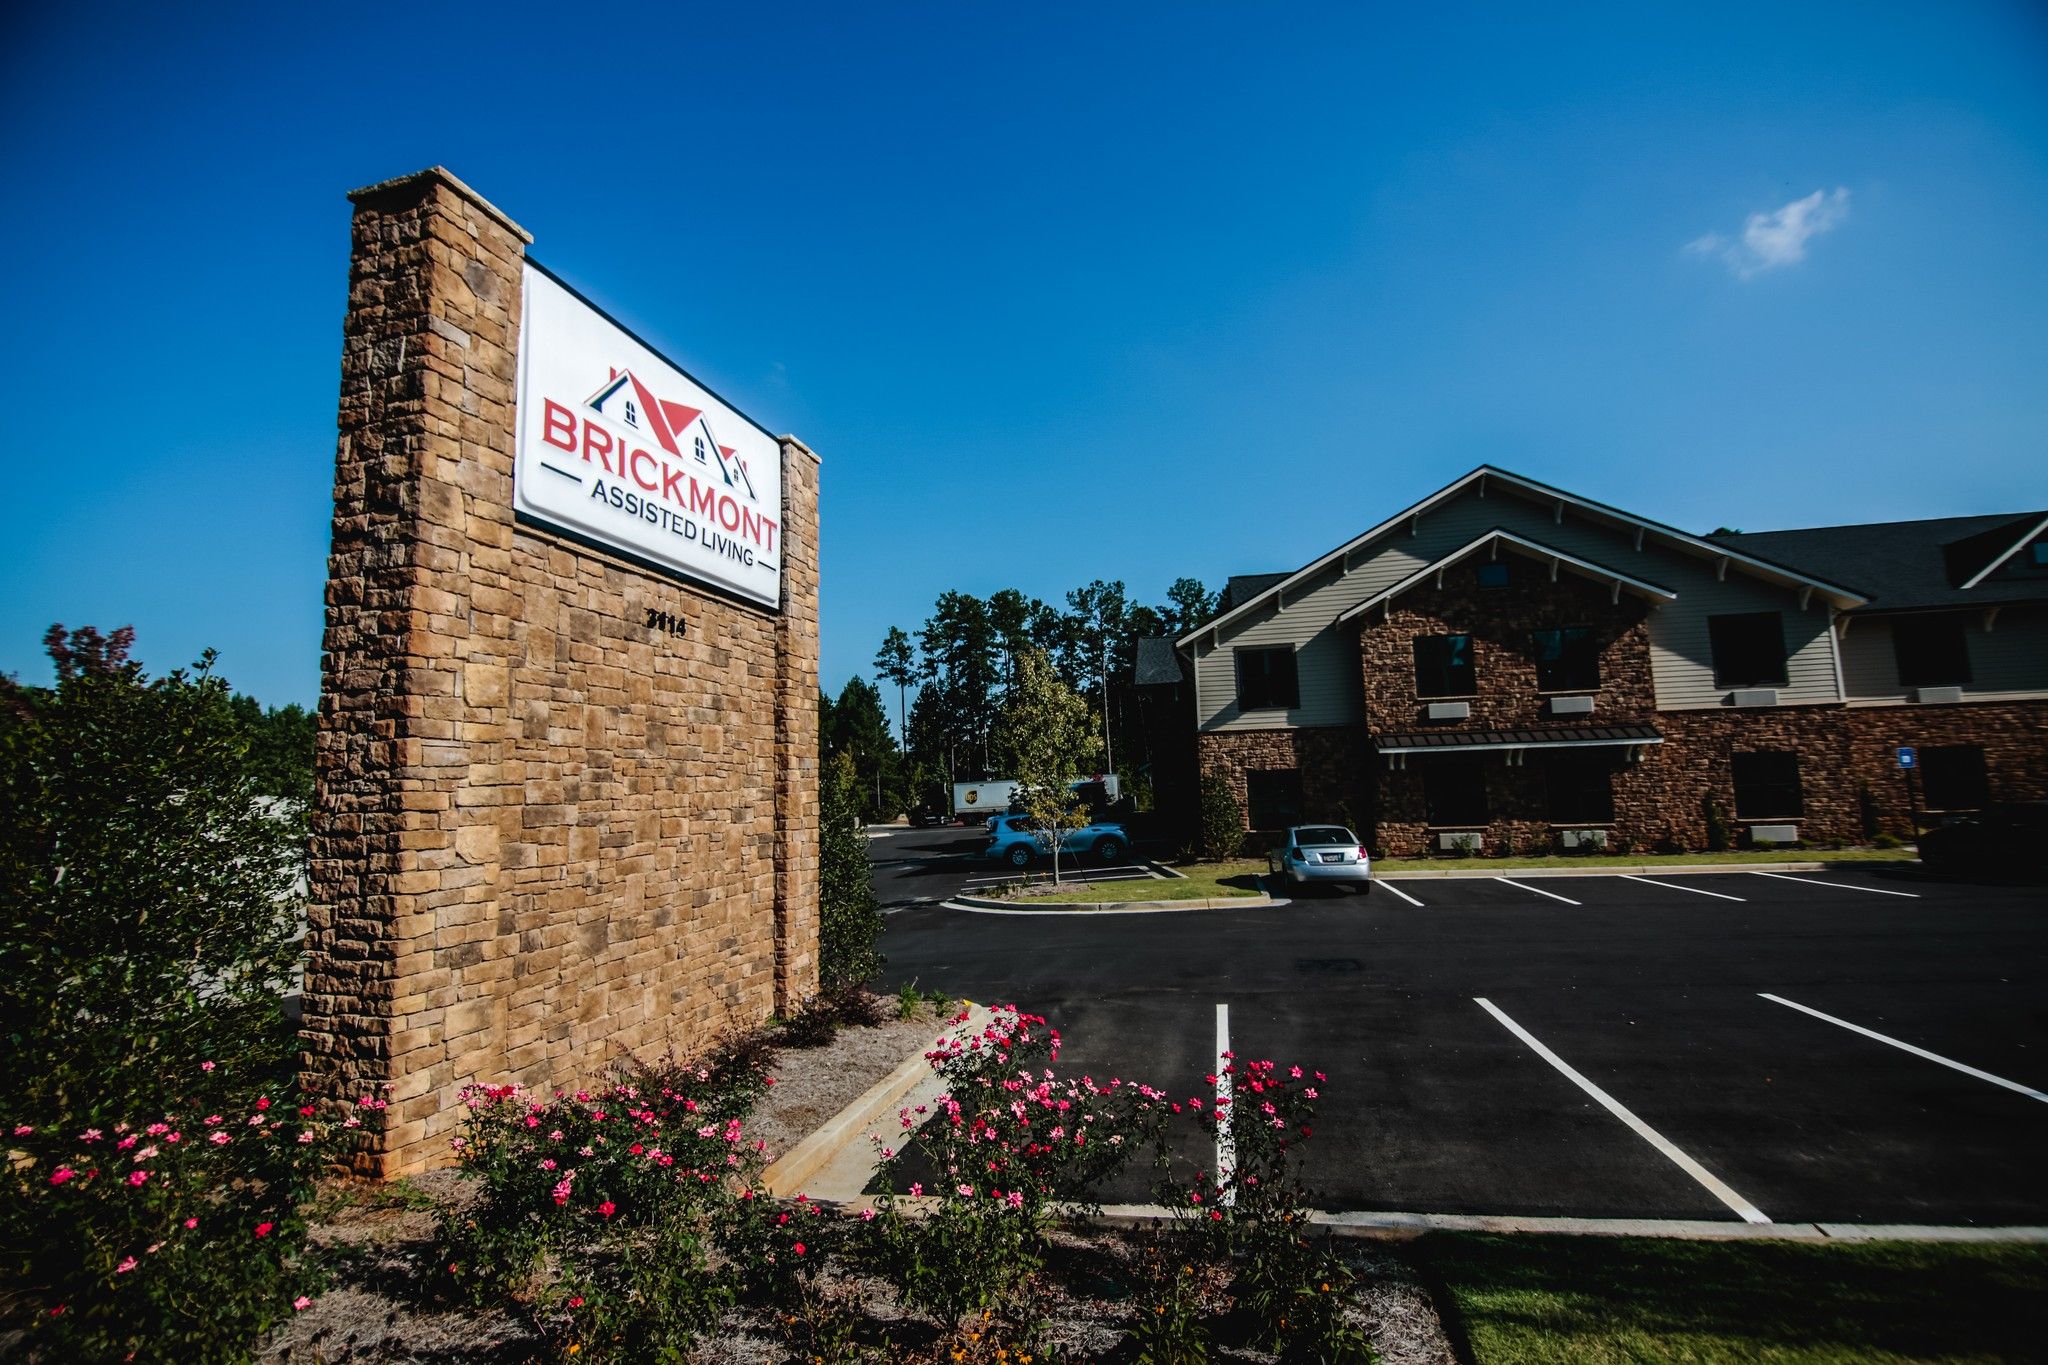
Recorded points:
(1013, 841)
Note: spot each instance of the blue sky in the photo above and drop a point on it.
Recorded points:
(1058, 292)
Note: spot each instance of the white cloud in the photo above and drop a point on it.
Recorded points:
(1777, 238)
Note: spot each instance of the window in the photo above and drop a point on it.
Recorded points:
(2040, 553)
(1767, 787)
(1493, 575)
(1931, 650)
(1273, 797)
(1749, 649)
(632, 417)
(1567, 660)
(1952, 778)
(1266, 679)
(1578, 787)
(1443, 666)
(1454, 789)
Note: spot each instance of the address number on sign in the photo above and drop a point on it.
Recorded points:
(667, 622)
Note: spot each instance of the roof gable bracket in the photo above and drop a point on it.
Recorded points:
(1805, 596)
(1482, 485)
(1415, 526)
(1721, 569)
(1639, 540)
(1553, 568)
(1439, 578)
(1494, 549)
(1614, 598)
(1560, 512)
(1990, 619)
(1842, 625)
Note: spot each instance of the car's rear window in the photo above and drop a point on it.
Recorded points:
(1323, 834)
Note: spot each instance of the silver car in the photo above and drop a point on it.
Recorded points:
(1322, 853)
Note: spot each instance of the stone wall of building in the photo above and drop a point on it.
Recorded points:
(1332, 760)
(1500, 620)
(548, 833)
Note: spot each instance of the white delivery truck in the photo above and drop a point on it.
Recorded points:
(976, 801)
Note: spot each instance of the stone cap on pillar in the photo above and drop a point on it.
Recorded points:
(803, 449)
(439, 175)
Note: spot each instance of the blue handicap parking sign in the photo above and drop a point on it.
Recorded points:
(1908, 757)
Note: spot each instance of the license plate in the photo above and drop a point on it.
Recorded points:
(1333, 857)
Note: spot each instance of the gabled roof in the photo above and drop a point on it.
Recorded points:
(1490, 476)
(1244, 587)
(1522, 545)
(1907, 565)
(1158, 662)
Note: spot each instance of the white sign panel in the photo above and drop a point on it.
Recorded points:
(618, 446)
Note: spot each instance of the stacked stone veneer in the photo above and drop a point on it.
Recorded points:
(546, 835)
(1851, 786)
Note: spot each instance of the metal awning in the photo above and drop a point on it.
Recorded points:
(1534, 737)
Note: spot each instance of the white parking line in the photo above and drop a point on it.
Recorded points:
(1523, 886)
(1389, 886)
(1226, 1140)
(1678, 886)
(1748, 1212)
(1952, 1064)
(1845, 886)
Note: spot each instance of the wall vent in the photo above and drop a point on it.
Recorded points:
(1774, 834)
(1449, 710)
(1571, 706)
(1451, 843)
(1937, 694)
(1754, 696)
(1582, 838)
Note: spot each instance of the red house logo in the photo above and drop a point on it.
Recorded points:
(678, 428)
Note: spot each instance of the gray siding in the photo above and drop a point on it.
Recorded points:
(2011, 657)
(1680, 660)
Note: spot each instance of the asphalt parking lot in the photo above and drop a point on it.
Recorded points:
(1466, 1036)
(915, 867)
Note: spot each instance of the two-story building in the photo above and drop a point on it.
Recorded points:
(1506, 663)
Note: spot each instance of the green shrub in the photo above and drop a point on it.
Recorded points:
(149, 919)
(1887, 841)
(1717, 824)
(850, 918)
(1221, 819)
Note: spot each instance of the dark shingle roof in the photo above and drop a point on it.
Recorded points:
(1531, 737)
(1901, 565)
(1157, 662)
(1243, 587)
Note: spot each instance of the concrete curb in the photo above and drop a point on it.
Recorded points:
(1018, 907)
(847, 1131)
(1408, 1226)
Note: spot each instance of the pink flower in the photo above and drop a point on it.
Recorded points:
(867, 1215)
(966, 1191)
(23, 1129)
(263, 1229)
(262, 1105)
(301, 1303)
(607, 1208)
(137, 1177)
(61, 1174)
(916, 1190)
(212, 1119)
(206, 1066)
(306, 1136)
(90, 1135)
(218, 1139)
(126, 1266)
(191, 1223)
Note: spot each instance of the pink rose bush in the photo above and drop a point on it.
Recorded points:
(1007, 1138)
(176, 1236)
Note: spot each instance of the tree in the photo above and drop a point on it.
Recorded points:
(896, 663)
(1097, 621)
(860, 730)
(1042, 731)
(957, 646)
(849, 916)
(149, 911)
(280, 747)
(1188, 605)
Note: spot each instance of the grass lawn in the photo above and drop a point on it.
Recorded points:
(1593, 1300)
(1203, 881)
(1904, 857)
